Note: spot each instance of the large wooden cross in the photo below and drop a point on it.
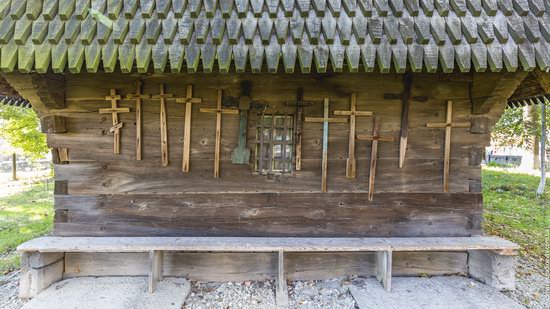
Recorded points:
(448, 125)
(218, 111)
(114, 111)
(325, 120)
(352, 113)
(188, 101)
(138, 96)
(405, 97)
(162, 96)
(375, 138)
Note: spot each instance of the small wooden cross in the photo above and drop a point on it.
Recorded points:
(405, 98)
(375, 138)
(163, 125)
(138, 96)
(218, 111)
(325, 120)
(188, 101)
(351, 162)
(448, 125)
(114, 111)
(299, 103)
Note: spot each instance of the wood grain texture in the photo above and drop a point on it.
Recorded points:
(269, 214)
(260, 266)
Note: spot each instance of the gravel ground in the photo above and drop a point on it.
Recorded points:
(9, 289)
(532, 285)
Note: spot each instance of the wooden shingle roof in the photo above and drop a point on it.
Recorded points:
(273, 35)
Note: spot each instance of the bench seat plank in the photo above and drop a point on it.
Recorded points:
(263, 244)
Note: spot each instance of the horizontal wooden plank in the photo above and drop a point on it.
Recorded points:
(269, 214)
(112, 177)
(225, 266)
(262, 244)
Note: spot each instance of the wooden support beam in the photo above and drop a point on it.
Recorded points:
(43, 91)
(155, 269)
(492, 268)
(188, 101)
(489, 89)
(53, 124)
(384, 268)
(281, 294)
(39, 271)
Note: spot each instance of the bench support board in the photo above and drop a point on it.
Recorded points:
(493, 269)
(39, 271)
(155, 270)
(281, 294)
(384, 268)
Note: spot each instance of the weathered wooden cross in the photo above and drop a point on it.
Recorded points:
(325, 120)
(218, 111)
(375, 138)
(188, 101)
(448, 125)
(163, 125)
(351, 162)
(405, 97)
(299, 103)
(138, 96)
(114, 111)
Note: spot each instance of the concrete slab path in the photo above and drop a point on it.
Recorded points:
(112, 293)
(429, 293)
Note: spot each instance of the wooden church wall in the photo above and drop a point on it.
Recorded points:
(99, 193)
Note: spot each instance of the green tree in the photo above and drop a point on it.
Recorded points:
(20, 127)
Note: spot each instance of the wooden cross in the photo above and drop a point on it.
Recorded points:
(188, 101)
(351, 162)
(299, 103)
(218, 111)
(448, 125)
(405, 97)
(163, 126)
(375, 138)
(325, 120)
(114, 111)
(138, 96)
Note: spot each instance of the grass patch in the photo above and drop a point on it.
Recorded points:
(23, 216)
(513, 211)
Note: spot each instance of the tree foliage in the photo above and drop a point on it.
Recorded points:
(517, 128)
(20, 127)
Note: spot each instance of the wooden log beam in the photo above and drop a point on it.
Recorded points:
(544, 80)
(53, 124)
(489, 89)
(43, 91)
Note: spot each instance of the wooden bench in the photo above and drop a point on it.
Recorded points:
(42, 256)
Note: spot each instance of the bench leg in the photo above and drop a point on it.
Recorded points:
(493, 269)
(281, 294)
(155, 270)
(383, 268)
(39, 271)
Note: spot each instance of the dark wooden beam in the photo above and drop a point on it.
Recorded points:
(53, 124)
(43, 91)
(489, 89)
